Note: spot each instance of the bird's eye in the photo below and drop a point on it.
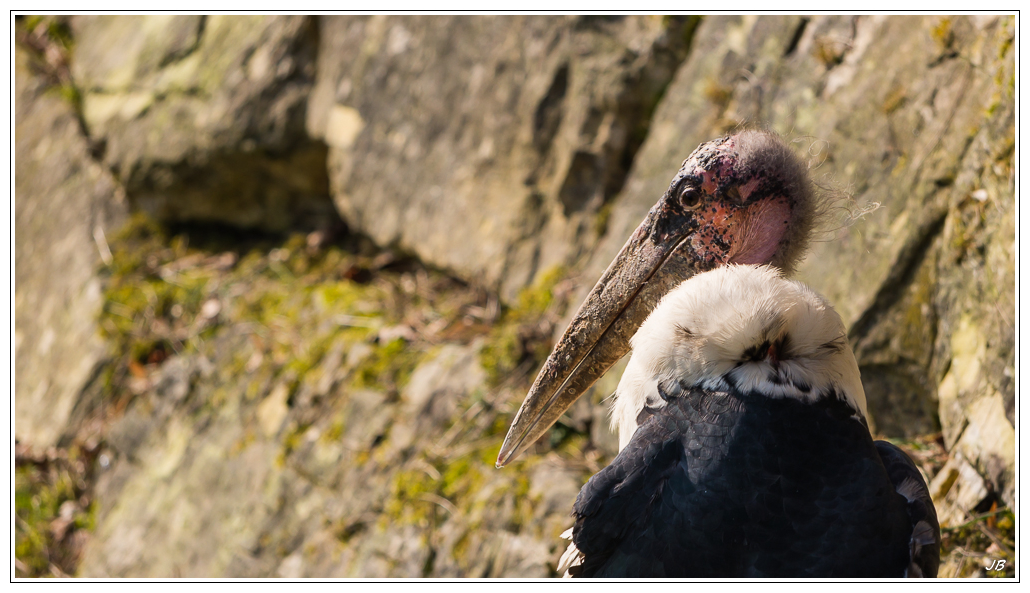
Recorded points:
(690, 197)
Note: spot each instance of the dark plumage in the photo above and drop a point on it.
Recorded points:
(745, 448)
(730, 484)
(925, 543)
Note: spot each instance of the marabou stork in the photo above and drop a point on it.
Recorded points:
(744, 449)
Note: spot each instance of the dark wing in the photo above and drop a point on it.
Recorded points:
(925, 546)
(634, 516)
(743, 485)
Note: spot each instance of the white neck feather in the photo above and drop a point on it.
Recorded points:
(706, 332)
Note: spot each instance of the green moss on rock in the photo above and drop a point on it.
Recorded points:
(390, 365)
(943, 34)
(36, 505)
(513, 340)
(52, 501)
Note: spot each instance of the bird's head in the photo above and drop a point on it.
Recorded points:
(744, 198)
(738, 327)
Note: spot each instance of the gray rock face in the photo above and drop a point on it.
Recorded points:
(523, 128)
(195, 495)
(202, 118)
(494, 148)
(64, 206)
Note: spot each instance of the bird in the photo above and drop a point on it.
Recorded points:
(745, 198)
(742, 199)
(745, 450)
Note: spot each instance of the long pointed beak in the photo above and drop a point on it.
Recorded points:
(650, 264)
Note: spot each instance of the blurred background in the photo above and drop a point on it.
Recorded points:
(282, 282)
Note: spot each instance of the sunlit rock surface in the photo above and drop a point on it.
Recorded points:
(65, 205)
(315, 400)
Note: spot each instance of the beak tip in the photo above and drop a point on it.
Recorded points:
(510, 448)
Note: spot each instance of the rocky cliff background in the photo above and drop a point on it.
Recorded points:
(281, 282)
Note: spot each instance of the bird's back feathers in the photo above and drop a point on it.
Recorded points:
(728, 484)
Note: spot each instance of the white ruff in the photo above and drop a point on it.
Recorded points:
(698, 334)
